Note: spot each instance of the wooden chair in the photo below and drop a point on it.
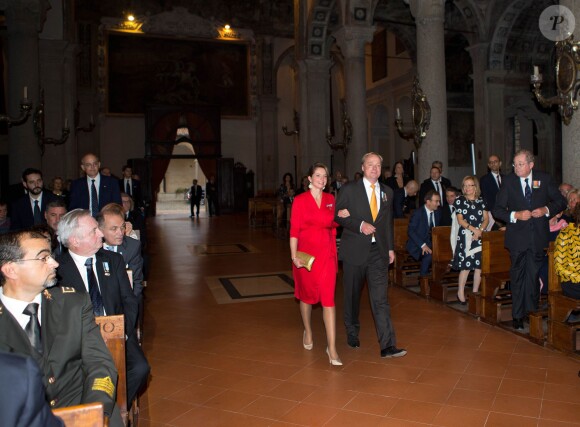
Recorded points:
(406, 268)
(87, 415)
(562, 334)
(113, 333)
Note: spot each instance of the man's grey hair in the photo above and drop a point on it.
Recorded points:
(69, 225)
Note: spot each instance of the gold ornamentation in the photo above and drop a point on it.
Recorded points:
(104, 385)
(47, 295)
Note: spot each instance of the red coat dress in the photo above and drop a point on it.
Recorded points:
(315, 230)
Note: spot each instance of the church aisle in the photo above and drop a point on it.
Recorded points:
(241, 362)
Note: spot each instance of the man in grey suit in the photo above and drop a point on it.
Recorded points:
(366, 250)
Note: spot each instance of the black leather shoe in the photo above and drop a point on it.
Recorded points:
(393, 351)
(518, 324)
(353, 342)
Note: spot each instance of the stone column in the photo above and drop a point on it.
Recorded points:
(266, 133)
(483, 150)
(429, 19)
(314, 111)
(24, 19)
(571, 133)
(352, 41)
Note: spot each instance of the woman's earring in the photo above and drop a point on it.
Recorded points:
(310, 185)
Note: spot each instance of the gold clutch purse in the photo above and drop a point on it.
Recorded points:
(307, 259)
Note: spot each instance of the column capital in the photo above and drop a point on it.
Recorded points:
(25, 12)
(352, 39)
(427, 11)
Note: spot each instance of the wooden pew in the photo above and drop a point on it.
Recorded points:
(562, 335)
(406, 268)
(493, 301)
(443, 283)
(86, 415)
(113, 333)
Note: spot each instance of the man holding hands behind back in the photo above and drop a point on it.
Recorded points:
(366, 250)
(525, 203)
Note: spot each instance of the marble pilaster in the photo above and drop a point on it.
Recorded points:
(571, 133)
(24, 20)
(352, 41)
(429, 20)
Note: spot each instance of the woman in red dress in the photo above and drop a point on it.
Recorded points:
(313, 230)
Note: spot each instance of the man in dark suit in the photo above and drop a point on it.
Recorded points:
(64, 339)
(525, 203)
(448, 210)
(211, 197)
(400, 202)
(439, 164)
(422, 221)
(29, 209)
(23, 402)
(366, 250)
(90, 269)
(491, 182)
(433, 183)
(111, 222)
(131, 186)
(55, 210)
(194, 198)
(95, 190)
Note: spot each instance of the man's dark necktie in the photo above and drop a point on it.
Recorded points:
(528, 194)
(33, 327)
(94, 292)
(437, 187)
(128, 188)
(94, 199)
(431, 220)
(37, 217)
(498, 181)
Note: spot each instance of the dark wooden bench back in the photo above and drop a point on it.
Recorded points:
(495, 258)
(400, 233)
(441, 244)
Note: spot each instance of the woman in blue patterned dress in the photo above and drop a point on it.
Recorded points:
(472, 218)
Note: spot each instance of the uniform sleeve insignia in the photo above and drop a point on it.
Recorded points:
(104, 385)
(67, 290)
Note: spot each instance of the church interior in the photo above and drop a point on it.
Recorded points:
(248, 90)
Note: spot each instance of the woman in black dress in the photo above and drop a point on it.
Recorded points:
(473, 218)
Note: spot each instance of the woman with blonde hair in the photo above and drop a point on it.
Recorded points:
(472, 217)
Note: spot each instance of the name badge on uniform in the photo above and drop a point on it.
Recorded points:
(106, 268)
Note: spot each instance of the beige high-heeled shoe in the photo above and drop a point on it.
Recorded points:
(333, 362)
(307, 346)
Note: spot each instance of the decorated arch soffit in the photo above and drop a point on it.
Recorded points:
(503, 28)
(178, 23)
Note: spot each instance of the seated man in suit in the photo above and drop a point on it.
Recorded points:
(131, 186)
(29, 209)
(90, 269)
(95, 190)
(54, 212)
(400, 207)
(432, 183)
(23, 402)
(55, 326)
(422, 221)
(448, 210)
(439, 164)
(111, 222)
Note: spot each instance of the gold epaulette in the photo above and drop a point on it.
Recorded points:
(68, 289)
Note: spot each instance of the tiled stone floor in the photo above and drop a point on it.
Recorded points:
(243, 364)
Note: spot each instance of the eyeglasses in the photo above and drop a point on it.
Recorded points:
(44, 259)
